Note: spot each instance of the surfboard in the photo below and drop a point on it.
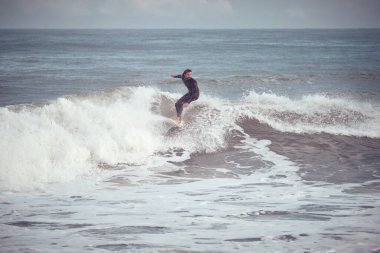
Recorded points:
(174, 129)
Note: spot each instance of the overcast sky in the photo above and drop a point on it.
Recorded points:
(189, 13)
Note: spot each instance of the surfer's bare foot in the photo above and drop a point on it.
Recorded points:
(178, 121)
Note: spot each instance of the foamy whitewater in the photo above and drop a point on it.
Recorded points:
(273, 157)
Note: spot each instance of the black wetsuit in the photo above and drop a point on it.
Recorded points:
(192, 95)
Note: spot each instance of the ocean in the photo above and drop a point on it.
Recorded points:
(281, 152)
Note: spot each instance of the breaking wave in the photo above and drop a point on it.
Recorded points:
(315, 114)
(62, 139)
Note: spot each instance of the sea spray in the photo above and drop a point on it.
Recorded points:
(70, 136)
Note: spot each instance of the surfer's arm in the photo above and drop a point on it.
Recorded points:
(176, 76)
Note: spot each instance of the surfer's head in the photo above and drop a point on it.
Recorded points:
(187, 73)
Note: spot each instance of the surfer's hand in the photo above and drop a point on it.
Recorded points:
(185, 105)
(172, 75)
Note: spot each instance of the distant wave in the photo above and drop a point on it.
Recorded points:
(58, 140)
(264, 78)
(314, 114)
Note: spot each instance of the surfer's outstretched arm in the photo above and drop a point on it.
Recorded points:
(176, 76)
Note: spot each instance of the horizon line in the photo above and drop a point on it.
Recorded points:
(147, 28)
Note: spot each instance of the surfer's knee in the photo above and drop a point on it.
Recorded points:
(178, 105)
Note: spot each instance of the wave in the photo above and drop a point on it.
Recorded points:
(59, 140)
(262, 78)
(314, 114)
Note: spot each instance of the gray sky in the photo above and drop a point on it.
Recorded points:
(189, 14)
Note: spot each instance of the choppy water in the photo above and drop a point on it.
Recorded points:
(279, 154)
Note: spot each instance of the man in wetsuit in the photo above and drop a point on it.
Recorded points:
(192, 95)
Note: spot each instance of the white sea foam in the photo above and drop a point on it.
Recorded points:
(71, 136)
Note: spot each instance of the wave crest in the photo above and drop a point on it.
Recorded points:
(71, 136)
(314, 114)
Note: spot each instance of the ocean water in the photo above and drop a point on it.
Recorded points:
(281, 153)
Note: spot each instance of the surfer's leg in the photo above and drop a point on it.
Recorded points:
(179, 108)
(180, 104)
(187, 103)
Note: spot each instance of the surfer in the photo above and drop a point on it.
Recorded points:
(192, 95)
